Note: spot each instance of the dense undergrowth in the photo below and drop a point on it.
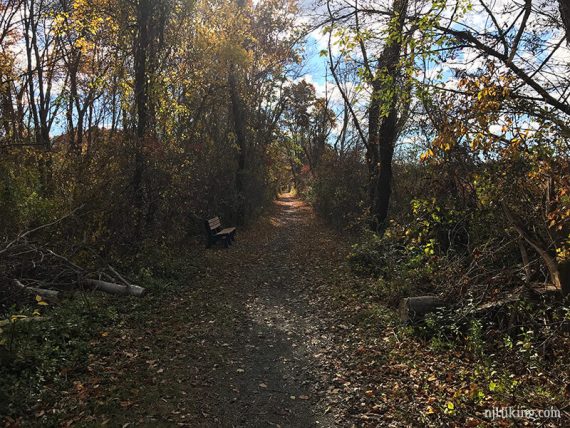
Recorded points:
(455, 365)
(502, 330)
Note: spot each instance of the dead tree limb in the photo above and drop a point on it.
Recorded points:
(48, 294)
(112, 288)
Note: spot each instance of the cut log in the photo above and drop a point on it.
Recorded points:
(416, 308)
(112, 288)
(48, 294)
(413, 309)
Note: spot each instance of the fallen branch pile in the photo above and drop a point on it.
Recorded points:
(29, 266)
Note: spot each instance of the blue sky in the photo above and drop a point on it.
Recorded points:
(316, 65)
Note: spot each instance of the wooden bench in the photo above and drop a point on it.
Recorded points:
(218, 233)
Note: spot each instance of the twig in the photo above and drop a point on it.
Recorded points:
(43, 226)
(127, 283)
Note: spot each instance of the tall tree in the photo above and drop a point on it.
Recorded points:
(386, 78)
(384, 116)
(239, 119)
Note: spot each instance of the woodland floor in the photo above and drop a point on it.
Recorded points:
(247, 343)
(274, 331)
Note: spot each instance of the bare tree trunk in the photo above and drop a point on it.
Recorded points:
(239, 120)
(383, 119)
(40, 66)
(142, 45)
(238, 116)
(387, 141)
(372, 155)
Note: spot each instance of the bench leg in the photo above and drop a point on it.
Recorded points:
(227, 240)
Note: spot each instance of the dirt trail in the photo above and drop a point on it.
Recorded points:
(246, 344)
(266, 350)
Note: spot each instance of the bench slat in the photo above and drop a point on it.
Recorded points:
(214, 220)
(214, 223)
(226, 231)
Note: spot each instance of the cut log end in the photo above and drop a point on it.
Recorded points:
(413, 309)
